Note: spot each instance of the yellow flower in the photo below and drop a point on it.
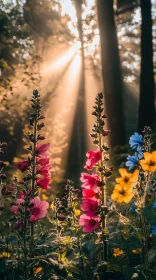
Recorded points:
(127, 178)
(77, 212)
(44, 197)
(137, 251)
(52, 206)
(118, 252)
(149, 162)
(122, 193)
(5, 255)
(37, 270)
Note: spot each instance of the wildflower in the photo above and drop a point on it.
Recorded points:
(137, 251)
(132, 208)
(132, 161)
(136, 141)
(90, 206)
(89, 181)
(5, 255)
(44, 170)
(39, 209)
(118, 252)
(37, 270)
(43, 161)
(149, 162)
(77, 212)
(93, 158)
(89, 223)
(43, 183)
(127, 178)
(154, 204)
(42, 149)
(44, 197)
(122, 193)
(91, 193)
(21, 195)
(23, 165)
(15, 208)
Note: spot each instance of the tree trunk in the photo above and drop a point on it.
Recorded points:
(77, 149)
(147, 98)
(111, 72)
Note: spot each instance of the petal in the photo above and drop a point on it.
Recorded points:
(122, 172)
(147, 156)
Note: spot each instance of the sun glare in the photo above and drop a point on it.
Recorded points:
(61, 61)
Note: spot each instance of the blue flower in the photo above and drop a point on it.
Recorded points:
(154, 204)
(153, 226)
(136, 141)
(132, 208)
(132, 161)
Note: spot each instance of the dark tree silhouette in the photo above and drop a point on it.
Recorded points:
(111, 72)
(147, 98)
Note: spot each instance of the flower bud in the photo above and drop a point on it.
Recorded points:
(3, 145)
(40, 125)
(105, 132)
(3, 176)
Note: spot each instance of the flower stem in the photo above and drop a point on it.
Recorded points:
(34, 169)
(25, 257)
(145, 246)
(104, 199)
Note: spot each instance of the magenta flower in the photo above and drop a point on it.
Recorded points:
(90, 193)
(39, 209)
(44, 170)
(89, 181)
(43, 161)
(93, 158)
(21, 195)
(89, 223)
(43, 183)
(23, 165)
(42, 149)
(15, 208)
(90, 206)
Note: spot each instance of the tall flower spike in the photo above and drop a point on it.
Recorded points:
(94, 185)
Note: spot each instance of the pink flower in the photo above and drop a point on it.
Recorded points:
(43, 183)
(43, 161)
(90, 206)
(39, 209)
(93, 158)
(42, 149)
(44, 170)
(21, 195)
(89, 181)
(90, 193)
(15, 208)
(89, 223)
(23, 165)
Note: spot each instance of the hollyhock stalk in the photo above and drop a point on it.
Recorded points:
(34, 165)
(104, 199)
